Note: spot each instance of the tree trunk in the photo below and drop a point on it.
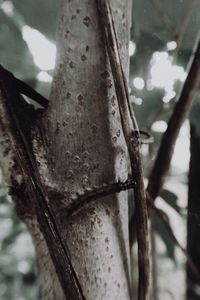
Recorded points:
(193, 229)
(78, 144)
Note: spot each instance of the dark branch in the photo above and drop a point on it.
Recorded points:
(180, 112)
(131, 134)
(97, 193)
(21, 87)
(19, 142)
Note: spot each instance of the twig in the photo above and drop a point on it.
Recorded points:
(98, 192)
(165, 18)
(179, 114)
(131, 134)
(191, 264)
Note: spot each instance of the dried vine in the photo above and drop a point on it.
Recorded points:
(91, 195)
(131, 134)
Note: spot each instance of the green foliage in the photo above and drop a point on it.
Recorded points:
(164, 19)
(41, 15)
(15, 54)
(18, 276)
(171, 199)
(146, 45)
(160, 228)
(153, 27)
(146, 112)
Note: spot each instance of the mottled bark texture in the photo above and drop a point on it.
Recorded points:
(193, 229)
(79, 144)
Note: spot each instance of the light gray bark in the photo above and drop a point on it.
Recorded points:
(79, 144)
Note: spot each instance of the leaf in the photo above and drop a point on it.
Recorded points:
(171, 199)
(162, 231)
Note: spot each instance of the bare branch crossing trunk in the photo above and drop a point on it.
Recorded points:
(78, 145)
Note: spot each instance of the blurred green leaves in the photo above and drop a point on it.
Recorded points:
(165, 19)
(146, 112)
(160, 228)
(18, 276)
(41, 15)
(171, 199)
(15, 54)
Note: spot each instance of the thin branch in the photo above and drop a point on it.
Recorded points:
(23, 153)
(185, 20)
(180, 112)
(165, 18)
(22, 87)
(98, 192)
(131, 133)
(191, 264)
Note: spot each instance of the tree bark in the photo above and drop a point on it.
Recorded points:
(78, 144)
(193, 218)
